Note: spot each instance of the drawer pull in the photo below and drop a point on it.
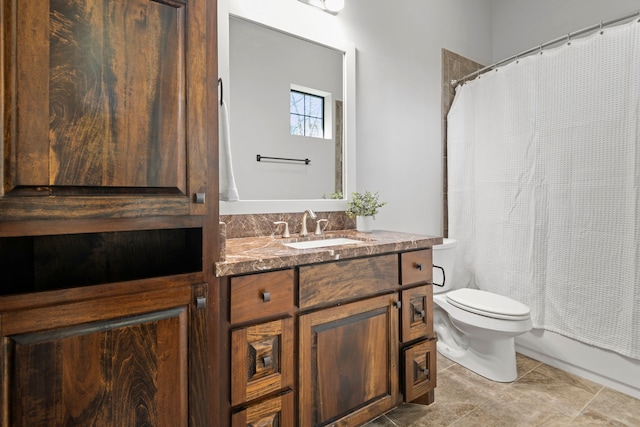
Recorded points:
(266, 361)
(199, 198)
(419, 266)
(397, 304)
(419, 313)
(266, 296)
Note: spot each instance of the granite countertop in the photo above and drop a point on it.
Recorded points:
(253, 254)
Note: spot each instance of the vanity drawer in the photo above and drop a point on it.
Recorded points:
(419, 369)
(417, 313)
(340, 281)
(275, 412)
(261, 295)
(261, 360)
(416, 267)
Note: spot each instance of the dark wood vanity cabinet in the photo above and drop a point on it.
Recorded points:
(363, 334)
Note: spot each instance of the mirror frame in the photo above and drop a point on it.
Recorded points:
(284, 23)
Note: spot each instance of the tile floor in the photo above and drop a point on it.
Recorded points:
(541, 396)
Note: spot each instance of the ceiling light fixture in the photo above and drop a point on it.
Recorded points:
(330, 6)
(334, 5)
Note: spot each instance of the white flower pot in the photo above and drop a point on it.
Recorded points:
(364, 224)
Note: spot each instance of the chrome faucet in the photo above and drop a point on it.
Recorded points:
(303, 228)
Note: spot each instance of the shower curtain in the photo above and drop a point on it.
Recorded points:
(544, 186)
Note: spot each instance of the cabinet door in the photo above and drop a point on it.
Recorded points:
(275, 412)
(348, 362)
(417, 313)
(261, 360)
(119, 361)
(96, 102)
(419, 369)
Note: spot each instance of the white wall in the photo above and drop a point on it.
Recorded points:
(519, 25)
(399, 97)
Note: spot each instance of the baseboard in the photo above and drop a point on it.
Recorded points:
(601, 366)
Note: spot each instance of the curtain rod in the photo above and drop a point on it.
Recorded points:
(568, 37)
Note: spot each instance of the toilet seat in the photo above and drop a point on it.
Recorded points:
(488, 304)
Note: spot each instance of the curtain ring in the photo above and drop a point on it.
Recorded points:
(540, 49)
(601, 27)
(568, 39)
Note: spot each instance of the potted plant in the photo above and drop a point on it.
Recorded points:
(364, 206)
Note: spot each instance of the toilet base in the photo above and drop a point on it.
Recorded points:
(493, 359)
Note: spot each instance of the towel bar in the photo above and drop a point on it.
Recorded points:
(259, 158)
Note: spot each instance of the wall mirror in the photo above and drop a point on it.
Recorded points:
(265, 63)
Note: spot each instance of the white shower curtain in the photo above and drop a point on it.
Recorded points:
(544, 186)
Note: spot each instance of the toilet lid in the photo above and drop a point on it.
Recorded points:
(488, 304)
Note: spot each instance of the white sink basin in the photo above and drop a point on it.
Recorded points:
(323, 243)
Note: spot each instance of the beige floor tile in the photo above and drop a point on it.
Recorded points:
(616, 406)
(443, 363)
(540, 388)
(454, 389)
(588, 418)
(434, 415)
(513, 408)
(542, 396)
(569, 378)
(525, 364)
(481, 386)
(481, 417)
(382, 421)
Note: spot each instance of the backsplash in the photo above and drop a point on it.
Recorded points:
(260, 225)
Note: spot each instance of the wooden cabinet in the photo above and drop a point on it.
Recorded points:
(261, 360)
(262, 349)
(118, 359)
(420, 370)
(349, 362)
(274, 412)
(261, 295)
(418, 339)
(417, 313)
(323, 285)
(106, 108)
(416, 267)
(357, 334)
(109, 213)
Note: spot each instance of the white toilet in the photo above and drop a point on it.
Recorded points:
(475, 328)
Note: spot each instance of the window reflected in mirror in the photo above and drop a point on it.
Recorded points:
(286, 96)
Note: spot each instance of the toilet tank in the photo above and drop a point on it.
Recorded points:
(444, 258)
